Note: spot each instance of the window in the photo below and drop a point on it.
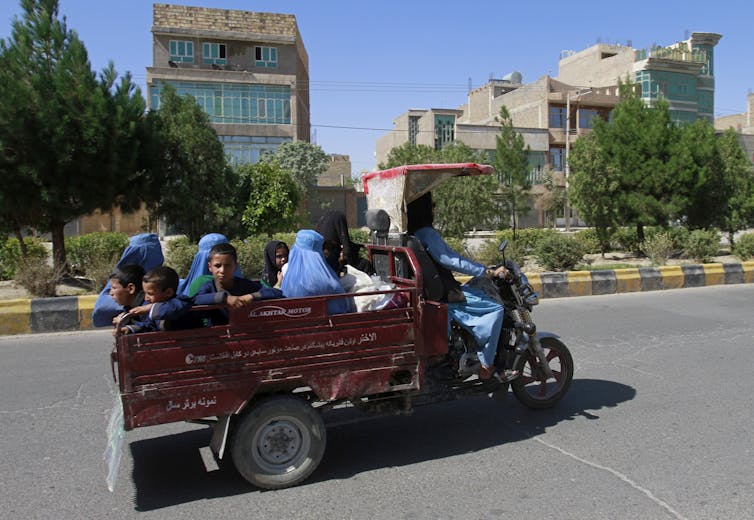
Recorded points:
(586, 116)
(413, 129)
(181, 51)
(249, 149)
(557, 159)
(266, 56)
(213, 53)
(557, 117)
(235, 103)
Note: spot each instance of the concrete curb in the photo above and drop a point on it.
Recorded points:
(70, 313)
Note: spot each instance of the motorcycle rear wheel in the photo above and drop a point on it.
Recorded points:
(532, 387)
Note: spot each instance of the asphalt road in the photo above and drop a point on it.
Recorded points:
(657, 425)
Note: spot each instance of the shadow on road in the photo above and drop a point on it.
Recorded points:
(169, 470)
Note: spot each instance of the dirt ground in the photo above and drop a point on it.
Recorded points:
(10, 290)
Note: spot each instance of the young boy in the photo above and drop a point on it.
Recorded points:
(125, 288)
(225, 288)
(162, 309)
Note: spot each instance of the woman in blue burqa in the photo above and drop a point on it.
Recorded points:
(478, 314)
(199, 273)
(144, 250)
(309, 275)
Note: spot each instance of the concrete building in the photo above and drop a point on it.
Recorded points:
(551, 113)
(249, 71)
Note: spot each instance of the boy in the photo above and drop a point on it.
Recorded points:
(226, 288)
(162, 310)
(125, 289)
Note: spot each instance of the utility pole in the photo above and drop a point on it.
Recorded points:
(567, 168)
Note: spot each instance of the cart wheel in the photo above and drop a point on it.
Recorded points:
(279, 442)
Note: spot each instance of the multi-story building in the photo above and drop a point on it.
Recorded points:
(550, 113)
(249, 71)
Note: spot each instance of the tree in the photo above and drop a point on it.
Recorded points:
(305, 162)
(408, 153)
(191, 184)
(593, 186)
(273, 200)
(512, 167)
(58, 158)
(738, 176)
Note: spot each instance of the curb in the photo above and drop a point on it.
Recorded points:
(74, 313)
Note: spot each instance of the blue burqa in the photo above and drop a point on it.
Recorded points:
(144, 250)
(309, 275)
(199, 265)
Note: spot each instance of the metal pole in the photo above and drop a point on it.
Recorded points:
(566, 204)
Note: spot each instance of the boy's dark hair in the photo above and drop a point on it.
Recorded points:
(223, 249)
(164, 277)
(128, 273)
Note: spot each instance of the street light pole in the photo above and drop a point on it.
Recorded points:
(567, 168)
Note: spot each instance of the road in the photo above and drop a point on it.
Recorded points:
(657, 425)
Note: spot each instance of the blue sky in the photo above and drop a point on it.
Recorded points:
(371, 61)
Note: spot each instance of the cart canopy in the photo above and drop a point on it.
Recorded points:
(392, 190)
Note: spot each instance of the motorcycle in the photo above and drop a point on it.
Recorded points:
(536, 365)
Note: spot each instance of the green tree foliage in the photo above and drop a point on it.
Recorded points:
(304, 161)
(738, 212)
(68, 140)
(512, 167)
(273, 199)
(191, 184)
(408, 153)
(593, 187)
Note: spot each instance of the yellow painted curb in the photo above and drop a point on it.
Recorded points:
(579, 283)
(15, 317)
(672, 276)
(627, 280)
(86, 307)
(748, 268)
(714, 274)
(536, 282)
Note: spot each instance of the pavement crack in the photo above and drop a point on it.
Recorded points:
(667, 507)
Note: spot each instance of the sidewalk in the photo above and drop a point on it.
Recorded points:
(71, 313)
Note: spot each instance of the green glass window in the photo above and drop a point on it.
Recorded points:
(444, 130)
(266, 57)
(235, 103)
(249, 149)
(214, 53)
(181, 51)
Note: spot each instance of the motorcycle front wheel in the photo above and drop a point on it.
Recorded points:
(532, 387)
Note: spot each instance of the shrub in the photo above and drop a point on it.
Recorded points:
(488, 253)
(625, 239)
(559, 253)
(180, 254)
(744, 247)
(457, 245)
(251, 255)
(38, 277)
(702, 245)
(10, 255)
(589, 240)
(93, 255)
(658, 247)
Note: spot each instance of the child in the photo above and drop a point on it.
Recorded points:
(275, 257)
(125, 288)
(163, 310)
(226, 288)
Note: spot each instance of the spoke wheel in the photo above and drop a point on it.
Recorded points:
(532, 387)
(279, 442)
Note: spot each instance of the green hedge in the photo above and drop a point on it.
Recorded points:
(11, 258)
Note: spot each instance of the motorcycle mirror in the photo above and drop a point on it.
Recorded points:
(503, 245)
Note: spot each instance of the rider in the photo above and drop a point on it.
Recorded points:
(474, 311)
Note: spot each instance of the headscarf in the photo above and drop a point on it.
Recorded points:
(144, 250)
(309, 275)
(333, 226)
(199, 265)
(270, 274)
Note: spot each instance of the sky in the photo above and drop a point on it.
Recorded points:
(370, 62)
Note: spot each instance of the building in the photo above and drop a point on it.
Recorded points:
(249, 71)
(551, 113)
